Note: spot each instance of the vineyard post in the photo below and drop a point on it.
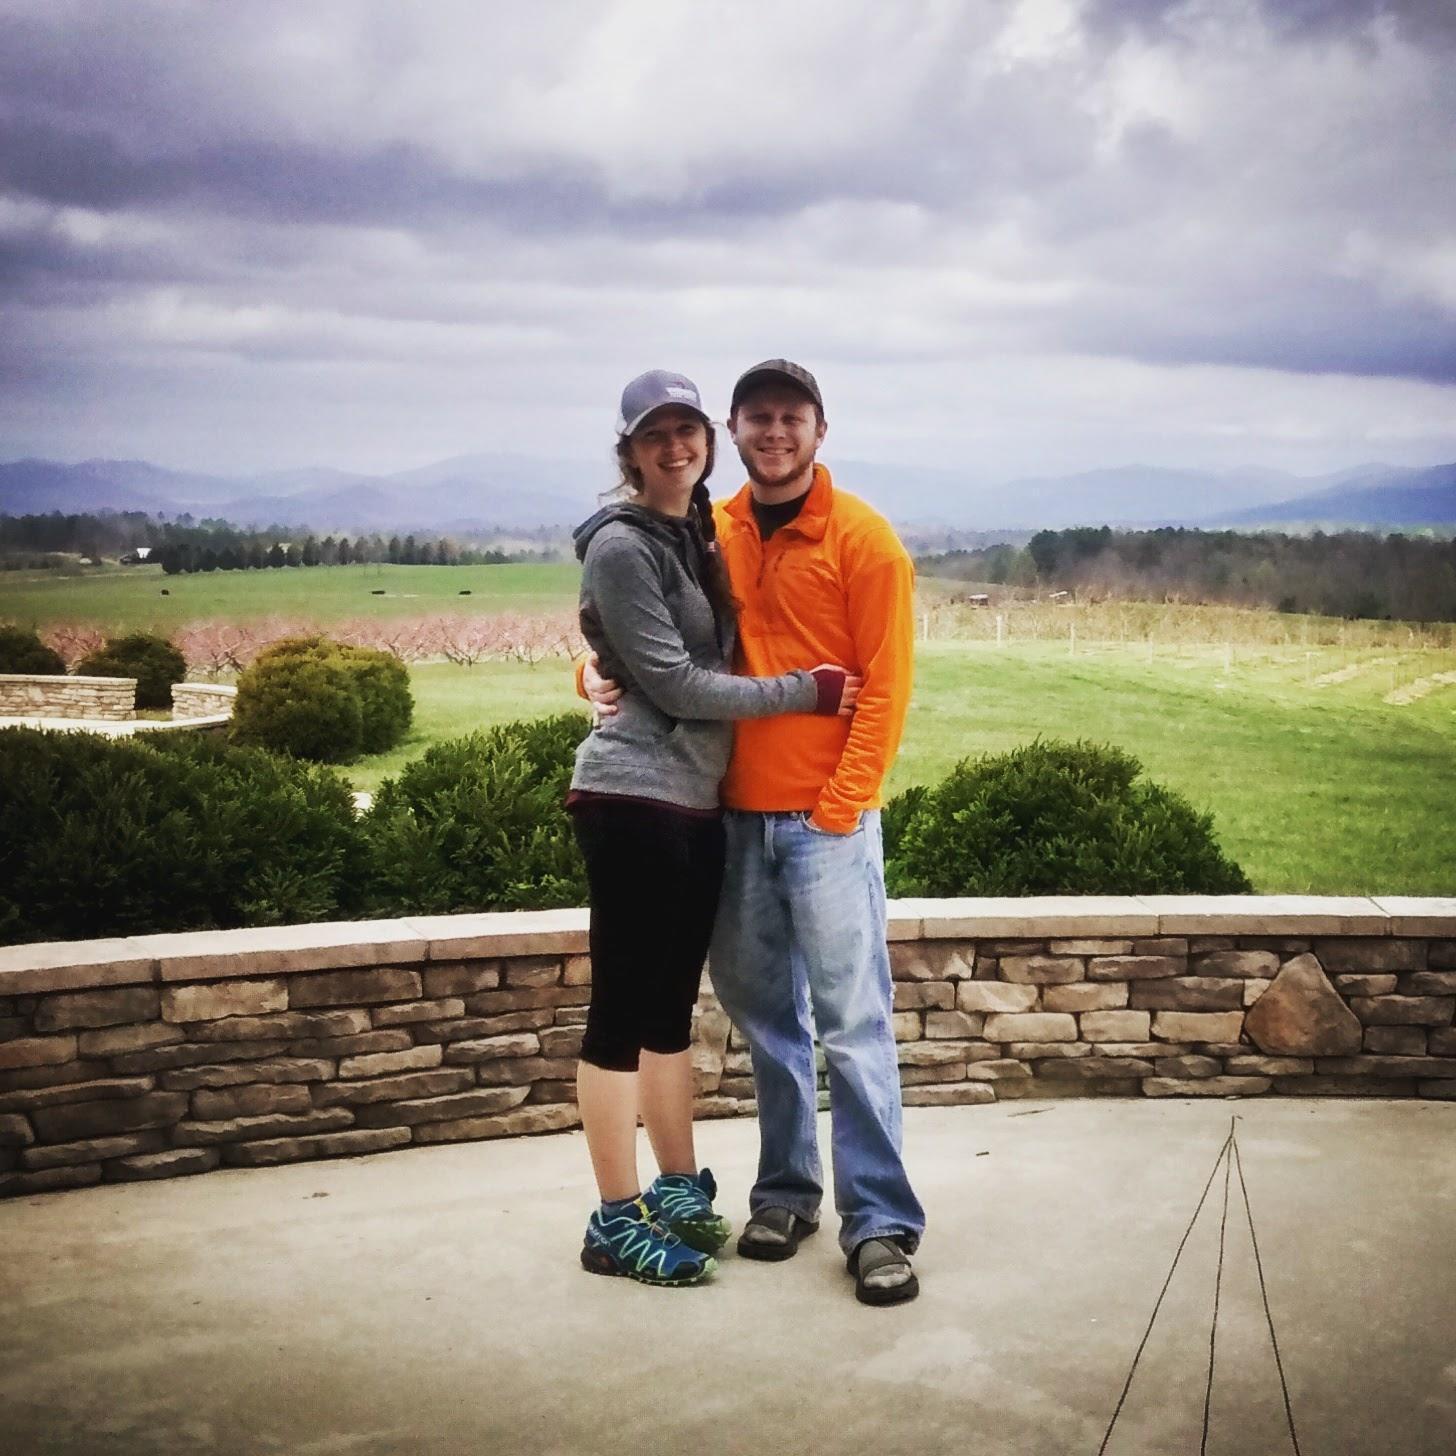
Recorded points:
(1000, 629)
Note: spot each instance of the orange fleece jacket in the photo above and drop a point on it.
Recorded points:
(834, 585)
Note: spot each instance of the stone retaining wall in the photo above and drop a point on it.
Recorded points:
(153, 1056)
(202, 700)
(37, 695)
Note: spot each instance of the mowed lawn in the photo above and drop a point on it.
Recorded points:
(1316, 782)
(1315, 787)
(1321, 788)
(131, 599)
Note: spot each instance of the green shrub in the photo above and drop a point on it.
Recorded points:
(104, 837)
(386, 704)
(479, 823)
(22, 651)
(896, 814)
(317, 699)
(151, 660)
(1054, 818)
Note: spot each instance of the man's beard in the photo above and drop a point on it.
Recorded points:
(789, 475)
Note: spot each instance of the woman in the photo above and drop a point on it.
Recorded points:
(657, 610)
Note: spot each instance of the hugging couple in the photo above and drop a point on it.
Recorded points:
(751, 666)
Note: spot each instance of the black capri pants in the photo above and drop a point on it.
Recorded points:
(654, 873)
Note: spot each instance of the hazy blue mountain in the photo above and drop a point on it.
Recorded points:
(481, 492)
(359, 507)
(295, 482)
(37, 486)
(502, 490)
(1130, 495)
(1372, 497)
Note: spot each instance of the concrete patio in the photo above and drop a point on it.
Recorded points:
(429, 1301)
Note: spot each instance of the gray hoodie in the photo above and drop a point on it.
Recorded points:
(647, 615)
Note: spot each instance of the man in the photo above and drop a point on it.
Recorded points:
(820, 577)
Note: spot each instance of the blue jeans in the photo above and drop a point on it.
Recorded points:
(801, 925)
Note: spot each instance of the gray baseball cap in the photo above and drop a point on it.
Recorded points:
(653, 390)
(777, 371)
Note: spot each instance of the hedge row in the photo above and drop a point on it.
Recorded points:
(111, 837)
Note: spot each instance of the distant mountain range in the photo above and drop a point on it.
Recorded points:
(469, 493)
(1375, 497)
(473, 494)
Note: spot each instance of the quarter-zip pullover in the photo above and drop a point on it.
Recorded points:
(832, 585)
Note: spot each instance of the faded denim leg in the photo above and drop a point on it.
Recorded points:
(825, 935)
(767, 998)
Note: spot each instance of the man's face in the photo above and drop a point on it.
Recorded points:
(777, 431)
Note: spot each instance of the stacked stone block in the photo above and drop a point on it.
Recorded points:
(203, 700)
(155, 1056)
(1175, 1016)
(129, 1082)
(36, 695)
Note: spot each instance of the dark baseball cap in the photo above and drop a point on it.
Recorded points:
(778, 371)
(652, 391)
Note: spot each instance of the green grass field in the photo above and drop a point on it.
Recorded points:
(1315, 786)
(1325, 750)
(130, 598)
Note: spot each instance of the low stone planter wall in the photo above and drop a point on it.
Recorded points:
(36, 695)
(202, 700)
(153, 1056)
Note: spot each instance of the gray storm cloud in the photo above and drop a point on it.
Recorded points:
(398, 231)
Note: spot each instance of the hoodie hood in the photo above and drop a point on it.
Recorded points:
(679, 534)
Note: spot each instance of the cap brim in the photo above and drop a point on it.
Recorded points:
(625, 427)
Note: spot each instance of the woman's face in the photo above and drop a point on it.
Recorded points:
(670, 448)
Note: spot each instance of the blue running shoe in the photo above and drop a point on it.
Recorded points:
(684, 1202)
(631, 1243)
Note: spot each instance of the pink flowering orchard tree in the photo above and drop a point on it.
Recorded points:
(216, 647)
(219, 648)
(73, 640)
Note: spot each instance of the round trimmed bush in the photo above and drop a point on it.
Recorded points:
(22, 651)
(1055, 818)
(298, 697)
(151, 660)
(315, 698)
(386, 704)
(479, 823)
(104, 837)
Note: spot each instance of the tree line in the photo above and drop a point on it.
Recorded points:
(187, 545)
(1339, 574)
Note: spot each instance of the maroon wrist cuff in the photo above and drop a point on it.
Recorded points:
(829, 689)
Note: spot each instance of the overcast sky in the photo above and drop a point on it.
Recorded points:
(1009, 237)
